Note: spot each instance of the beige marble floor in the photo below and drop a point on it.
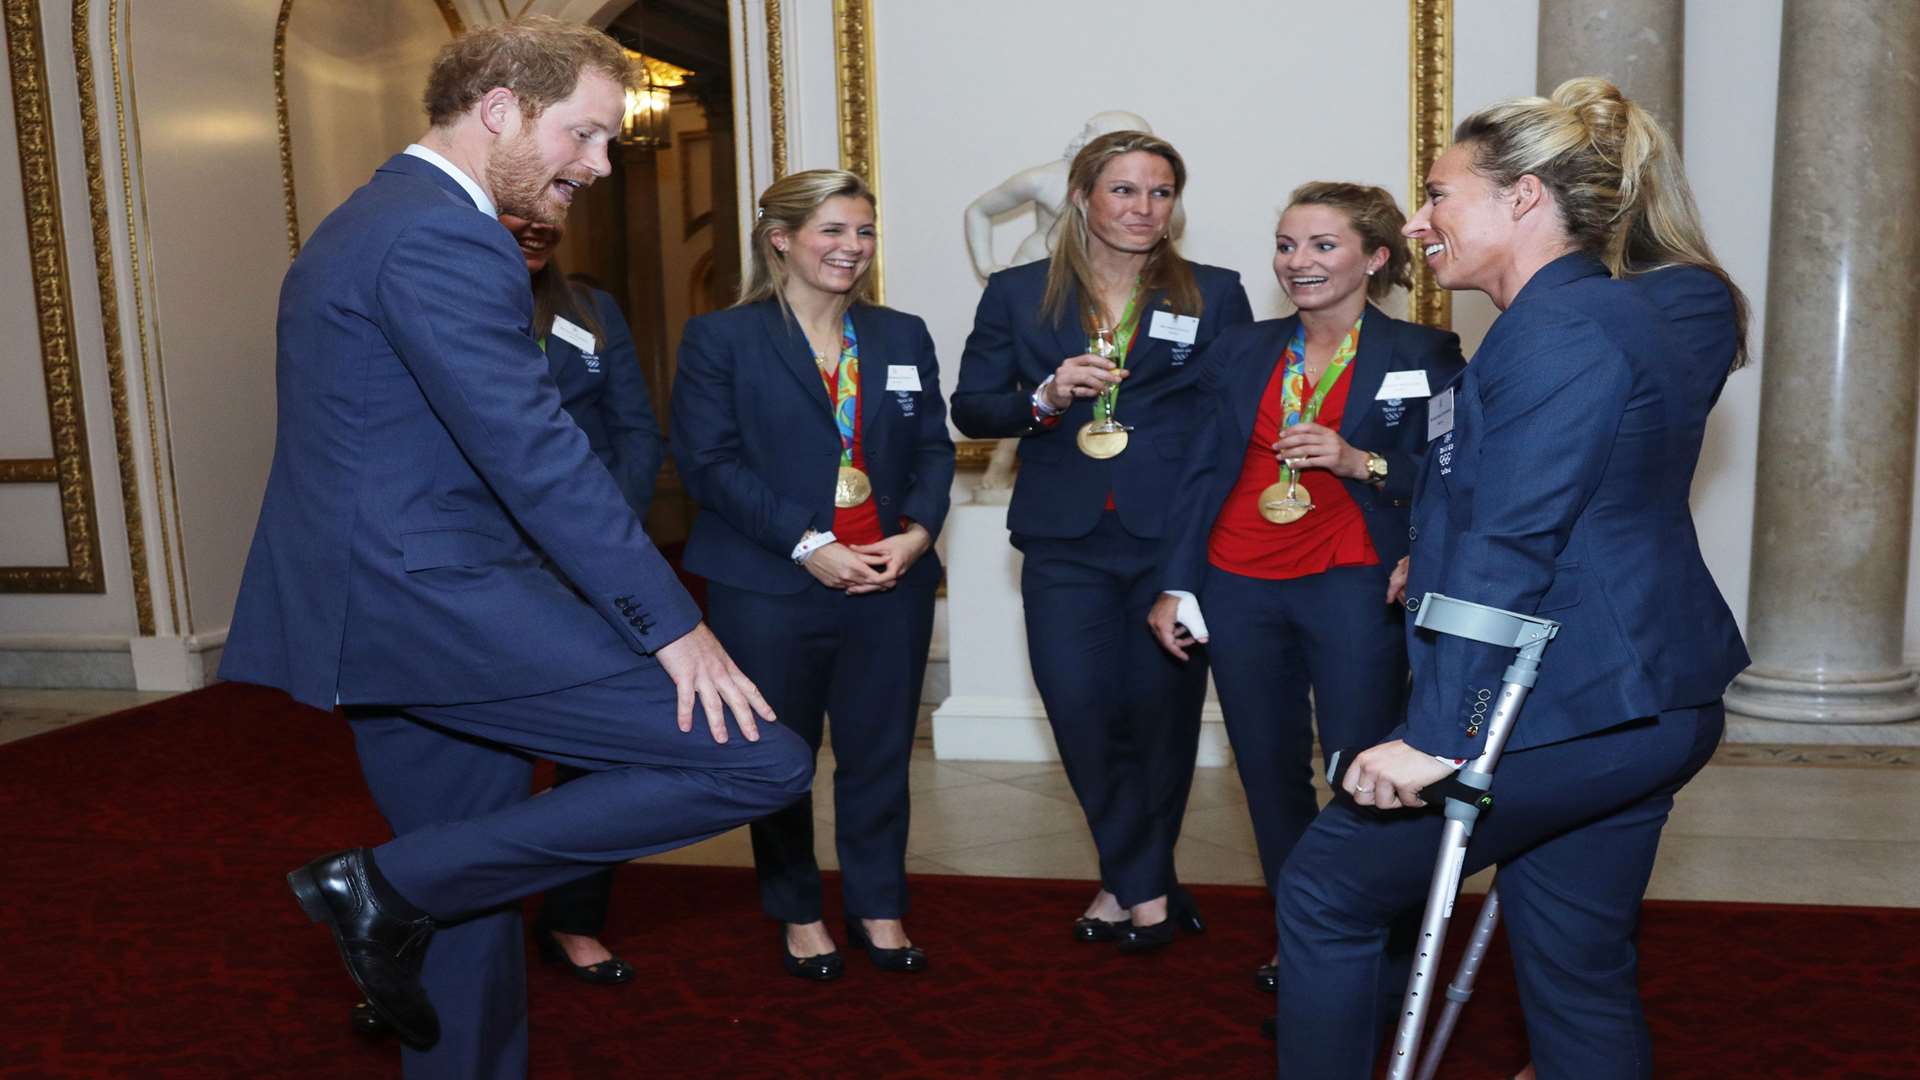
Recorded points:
(1769, 824)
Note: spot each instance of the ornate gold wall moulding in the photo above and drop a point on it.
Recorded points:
(859, 135)
(776, 91)
(53, 306)
(972, 455)
(125, 110)
(29, 471)
(286, 131)
(1430, 123)
(110, 313)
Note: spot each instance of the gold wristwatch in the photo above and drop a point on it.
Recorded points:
(1376, 469)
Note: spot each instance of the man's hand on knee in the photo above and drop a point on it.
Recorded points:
(701, 669)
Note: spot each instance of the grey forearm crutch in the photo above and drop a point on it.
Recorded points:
(1466, 795)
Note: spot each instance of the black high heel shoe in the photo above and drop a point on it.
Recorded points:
(1139, 939)
(823, 968)
(1092, 930)
(1184, 912)
(1266, 978)
(367, 1023)
(908, 958)
(610, 972)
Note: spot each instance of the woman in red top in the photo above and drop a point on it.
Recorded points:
(1293, 508)
(808, 425)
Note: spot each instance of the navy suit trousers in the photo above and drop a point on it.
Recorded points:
(1331, 632)
(1573, 830)
(1125, 715)
(652, 788)
(861, 660)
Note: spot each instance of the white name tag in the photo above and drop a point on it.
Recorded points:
(574, 335)
(1440, 414)
(1404, 384)
(1179, 329)
(903, 377)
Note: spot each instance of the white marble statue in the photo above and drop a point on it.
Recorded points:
(1045, 186)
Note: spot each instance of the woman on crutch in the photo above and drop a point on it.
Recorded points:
(1556, 483)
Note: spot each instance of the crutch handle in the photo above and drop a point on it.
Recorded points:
(1448, 787)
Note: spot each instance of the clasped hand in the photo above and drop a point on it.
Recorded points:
(864, 568)
(1082, 376)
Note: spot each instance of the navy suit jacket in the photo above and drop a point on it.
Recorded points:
(606, 394)
(757, 447)
(1562, 490)
(1060, 492)
(436, 529)
(1239, 366)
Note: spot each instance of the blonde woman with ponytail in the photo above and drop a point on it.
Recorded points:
(808, 425)
(1558, 486)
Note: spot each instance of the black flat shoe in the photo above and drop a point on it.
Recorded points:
(908, 958)
(1266, 978)
(1139, 939)
(612, 972)
(1091, 930)
(1184, 913)
(823, 968)
(382, 948)
(367, 1024)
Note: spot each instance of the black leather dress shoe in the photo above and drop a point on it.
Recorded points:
(1089, 929)
(823, 968)
(907, 958)
(367, 1023)
(1270, 1028)
(1184, 912)
(382, 949)
(611, 972)
(1139, 939)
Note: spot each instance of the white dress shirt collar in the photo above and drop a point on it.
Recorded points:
(466, 182)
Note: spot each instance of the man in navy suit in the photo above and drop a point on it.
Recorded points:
(440, 553)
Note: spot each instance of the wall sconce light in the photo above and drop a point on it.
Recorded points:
(645, 126)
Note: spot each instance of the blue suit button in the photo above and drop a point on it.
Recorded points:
(885, 501)
(1413, 603)
(1413, 533)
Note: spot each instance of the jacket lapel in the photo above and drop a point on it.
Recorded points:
(1249, 381)
(790, 345)
(1378, 336)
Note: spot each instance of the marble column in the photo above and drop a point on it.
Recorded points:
(1638, 44)
(1834, 490)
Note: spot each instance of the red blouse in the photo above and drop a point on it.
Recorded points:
(854, 524)
(1333, 534)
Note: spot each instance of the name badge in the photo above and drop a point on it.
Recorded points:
(574, 335)
(903, 377)
(1440, 414)
(1404, 384)
(1179, 329)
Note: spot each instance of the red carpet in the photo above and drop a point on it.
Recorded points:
(149, 934)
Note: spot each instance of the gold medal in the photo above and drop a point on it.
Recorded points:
(1284, 504)
(851, 488)
(1100, 445)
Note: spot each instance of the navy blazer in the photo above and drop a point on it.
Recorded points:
(757, 447)
(605, 392)
(1562, 490)
(436, 529)
(1239, 366)
(1060, 492)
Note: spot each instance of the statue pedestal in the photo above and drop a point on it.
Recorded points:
(994, 712)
